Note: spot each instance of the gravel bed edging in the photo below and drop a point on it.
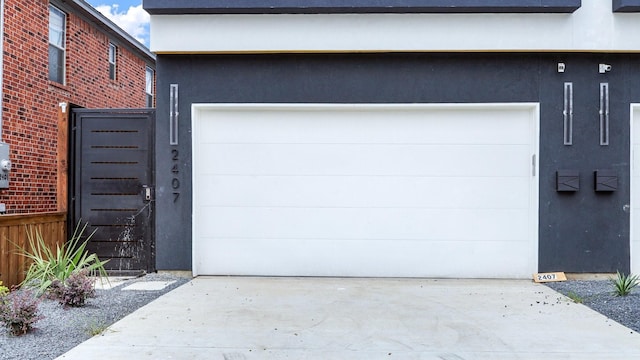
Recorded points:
(62, 329)
(598, 295)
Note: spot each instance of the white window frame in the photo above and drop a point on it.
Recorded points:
(113, 56)
(149, 75)
(62, 46)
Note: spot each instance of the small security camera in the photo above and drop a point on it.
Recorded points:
(603, 68)
(561, 67)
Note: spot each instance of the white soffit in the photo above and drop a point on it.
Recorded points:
(593, 27)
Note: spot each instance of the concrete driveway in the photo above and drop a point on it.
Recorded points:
(337, 318)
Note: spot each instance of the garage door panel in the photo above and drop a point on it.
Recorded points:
(334, 258)
(635, 194)
(365, 189)
(369, 159)
(317, 126)
(355, 191)
(635, 219)
(636, 158)
(635, 135)
(365, 223)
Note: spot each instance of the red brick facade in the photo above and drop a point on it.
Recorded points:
(31, 101)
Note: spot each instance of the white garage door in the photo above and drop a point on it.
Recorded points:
(365, 190)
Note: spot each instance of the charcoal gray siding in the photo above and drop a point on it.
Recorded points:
(626, 5)
(156, 7)
(583, 231)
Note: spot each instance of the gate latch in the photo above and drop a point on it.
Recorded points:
(147, 192)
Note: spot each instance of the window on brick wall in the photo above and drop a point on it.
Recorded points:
(149, 75)
(57, 25)
(113, 51)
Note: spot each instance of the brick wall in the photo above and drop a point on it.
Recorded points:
(30, 101)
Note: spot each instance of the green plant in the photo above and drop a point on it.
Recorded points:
(75, 290)
(19, 311)
(96, 328)
(623, 284)
(3, 290)
(575, 297)
(48, 264)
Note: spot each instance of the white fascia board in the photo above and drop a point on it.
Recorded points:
(593, 27)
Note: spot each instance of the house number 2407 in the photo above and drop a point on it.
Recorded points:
(175, 170)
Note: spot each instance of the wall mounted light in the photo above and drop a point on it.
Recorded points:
(567, 180)
(567, 113)
(173, 114)
(606, 180)
(604, 114)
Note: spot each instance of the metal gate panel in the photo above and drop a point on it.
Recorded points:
(112, 184)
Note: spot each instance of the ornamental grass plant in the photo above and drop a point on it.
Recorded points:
(623, 284)
(49, 265)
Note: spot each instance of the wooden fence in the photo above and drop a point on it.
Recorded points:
(13, 231)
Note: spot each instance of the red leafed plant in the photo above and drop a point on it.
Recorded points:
(19, 311)
(73, 291)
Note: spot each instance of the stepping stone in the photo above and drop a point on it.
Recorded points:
(149, 285)
(111, 283)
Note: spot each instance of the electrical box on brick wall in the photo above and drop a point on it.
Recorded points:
(5, 165)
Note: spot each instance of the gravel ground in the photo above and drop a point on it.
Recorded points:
(63, 329)
(598, 295)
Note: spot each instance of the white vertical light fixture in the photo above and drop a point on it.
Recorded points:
(604, 114)
(173, 115)
(567, 113)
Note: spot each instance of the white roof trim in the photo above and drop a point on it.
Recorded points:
(109, 26)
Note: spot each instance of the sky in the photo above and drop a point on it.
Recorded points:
(128, 14)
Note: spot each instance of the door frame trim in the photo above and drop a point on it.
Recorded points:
(634, 253)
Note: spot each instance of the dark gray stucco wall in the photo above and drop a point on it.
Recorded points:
(585, 231)
(580, 232)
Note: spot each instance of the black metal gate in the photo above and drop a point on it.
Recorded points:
(111, 185)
